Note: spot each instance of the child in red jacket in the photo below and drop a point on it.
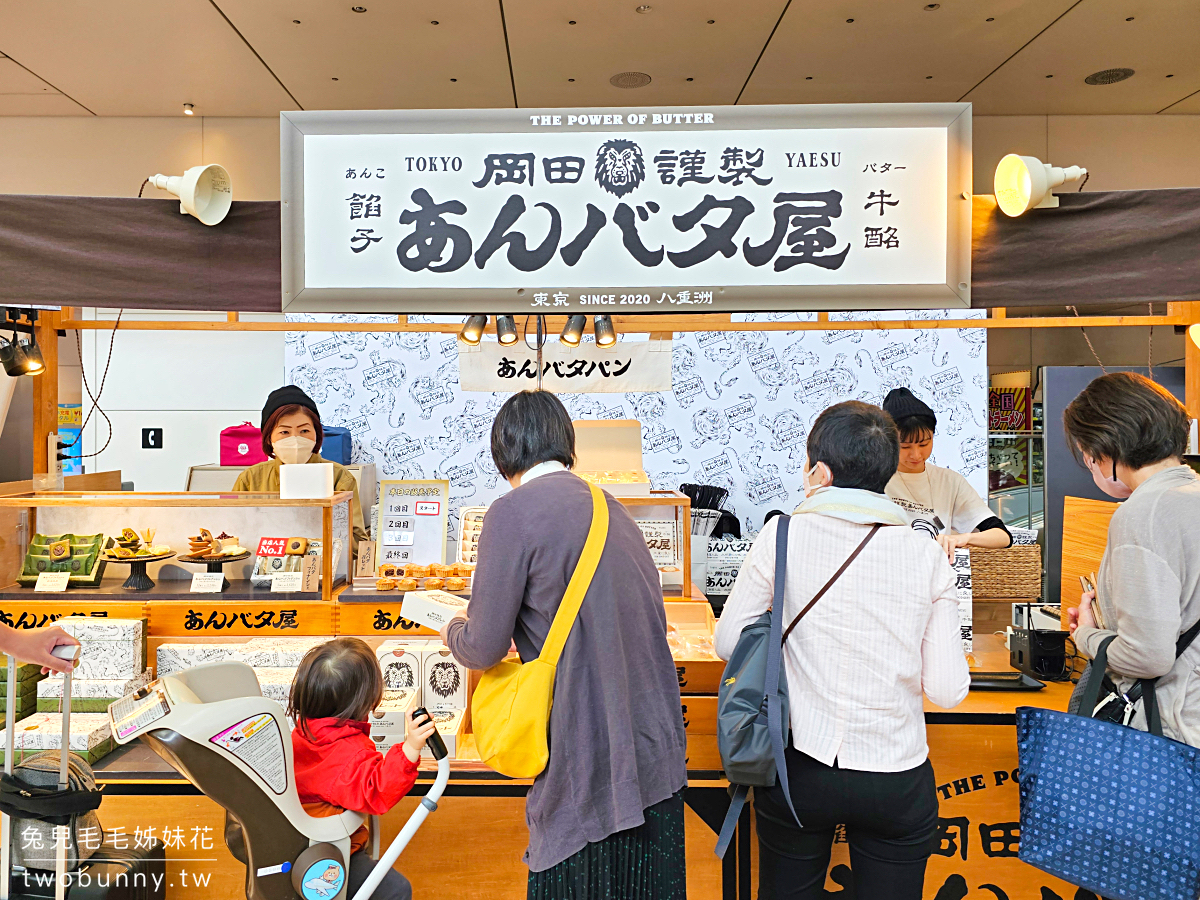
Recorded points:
(338, 766)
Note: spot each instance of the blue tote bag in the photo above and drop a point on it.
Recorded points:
(1106, 807)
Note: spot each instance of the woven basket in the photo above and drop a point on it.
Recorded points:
(1015, 572)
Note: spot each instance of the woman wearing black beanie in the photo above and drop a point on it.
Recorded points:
(292, 433)
(938, 500)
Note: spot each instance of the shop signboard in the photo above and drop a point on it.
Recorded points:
(586, 369)
(696, 209)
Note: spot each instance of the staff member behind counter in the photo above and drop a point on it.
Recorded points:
(291, 433)
(937, 500)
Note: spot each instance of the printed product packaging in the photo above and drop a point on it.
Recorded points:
(449, 726)
(111, 648)
(433, 609)
(401, 665)
(174, 658)
(389, 717)
(87, 695)
(276, 683)
(91, 736)
(444, 680)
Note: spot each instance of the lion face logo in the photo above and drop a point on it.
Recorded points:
(444, 679)
(620, 167)
(398, 675)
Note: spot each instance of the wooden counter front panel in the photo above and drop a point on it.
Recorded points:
(36, 613)
(216, 618)
(379, 619)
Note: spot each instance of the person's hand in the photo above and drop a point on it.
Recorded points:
(34, 646)
(416, 736)
(951, 542)
(461, 614)
(1081, 616)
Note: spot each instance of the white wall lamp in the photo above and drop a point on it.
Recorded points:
(205, 192)
(1025, 182)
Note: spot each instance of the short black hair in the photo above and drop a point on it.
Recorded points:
(858, 442)
(916, 428)
(339, 679)
(772, 514)
(1127, 418)
(532, 427)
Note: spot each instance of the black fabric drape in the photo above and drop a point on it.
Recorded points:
(137, 254)
(1102, 247)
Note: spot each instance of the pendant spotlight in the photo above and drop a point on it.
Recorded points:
(21, 357)
(506, 330)
(1023, 183)
(472, 330)
(572, 332)
(606, 335)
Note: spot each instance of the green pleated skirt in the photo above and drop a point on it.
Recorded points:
(643, 863)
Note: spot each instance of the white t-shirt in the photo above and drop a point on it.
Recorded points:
(942, 494)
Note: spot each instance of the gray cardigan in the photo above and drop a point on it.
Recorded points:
(1149, 593)
(617, 742)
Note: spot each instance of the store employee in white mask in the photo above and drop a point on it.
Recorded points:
(292, 434)
(937, 500)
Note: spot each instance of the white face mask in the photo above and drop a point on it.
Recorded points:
(809, 487)
(293, 449)
(1107, 482)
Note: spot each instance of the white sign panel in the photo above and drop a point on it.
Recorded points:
(586, 369)
(623, 211)
(412, 521)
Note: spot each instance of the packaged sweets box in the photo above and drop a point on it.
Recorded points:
(390, 716)
(401, 665)
(444, 679)
(449, 726)
(111, 648)
(25, 672)
(91, 735)
(433, 609)
(276, 683)
(264, 652)
(87, 695)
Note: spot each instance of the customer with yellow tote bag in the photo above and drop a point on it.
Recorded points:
(593, 708)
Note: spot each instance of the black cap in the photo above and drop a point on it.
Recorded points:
(901, 403)
(289, 395)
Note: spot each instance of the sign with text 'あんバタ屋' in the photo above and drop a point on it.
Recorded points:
(697, 209)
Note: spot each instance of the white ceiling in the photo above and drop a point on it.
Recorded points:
(253, 58)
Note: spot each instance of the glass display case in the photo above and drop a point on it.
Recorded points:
(1016, 474)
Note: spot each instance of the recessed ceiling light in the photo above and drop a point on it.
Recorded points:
(629, 80)
(295, 21)
(691, 79)
(712, 21)
(454, 79)
(1130, 19)
(434, 22)
(1108, 76)
(808, 78)
(359, 9)
(572, 22)
(644, 8)
(334, 79)
(990, 19)
(848, 21)
(930, 7)
(1170, 76)
(570, 79)
(1049, 76)
(927, 77)
(189, 109)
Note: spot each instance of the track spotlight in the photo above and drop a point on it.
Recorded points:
(1023, 183)
(472, 330)
(506, 329)
(572, 332)
(22, 357)
(606, 336)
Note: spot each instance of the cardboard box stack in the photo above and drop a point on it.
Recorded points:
(28, 679)
(88, 695)
(112, 663)
(436, 681)
(91, 736)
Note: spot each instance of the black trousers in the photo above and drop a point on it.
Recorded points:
(891, 825)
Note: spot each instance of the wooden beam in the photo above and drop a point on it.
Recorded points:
(231, 317)
(999, 312)
(1191, 361)
(643, 324)
(45, 388)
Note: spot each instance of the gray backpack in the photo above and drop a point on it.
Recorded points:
(752, 705)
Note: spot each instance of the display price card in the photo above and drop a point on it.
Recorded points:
(412, 522)
(208, 582)
(55, 582)
(286, 582)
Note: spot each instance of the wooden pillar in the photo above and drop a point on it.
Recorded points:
(1191, 361)
(45, 388)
